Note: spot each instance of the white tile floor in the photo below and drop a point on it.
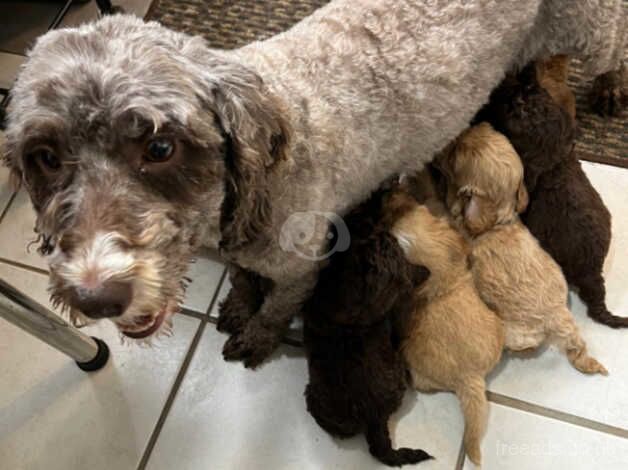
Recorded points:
(180, 406)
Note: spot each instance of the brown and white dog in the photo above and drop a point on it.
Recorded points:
(139, 145)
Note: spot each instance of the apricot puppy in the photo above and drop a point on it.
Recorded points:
(512, 273)
(452, 339)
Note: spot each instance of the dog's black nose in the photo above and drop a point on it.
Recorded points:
(110, 299)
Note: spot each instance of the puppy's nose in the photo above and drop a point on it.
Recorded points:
(110, 299)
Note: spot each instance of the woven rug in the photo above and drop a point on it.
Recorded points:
(233, 23)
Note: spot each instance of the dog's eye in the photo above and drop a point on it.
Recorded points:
(159, 150)
(47, 160)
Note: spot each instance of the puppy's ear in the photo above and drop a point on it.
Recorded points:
(522, 198)
(256, 139)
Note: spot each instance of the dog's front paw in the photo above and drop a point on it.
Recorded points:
(232, 316)
(609, 94)
(252, 345)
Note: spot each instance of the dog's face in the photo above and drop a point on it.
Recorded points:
(484, 180)
(137, 145)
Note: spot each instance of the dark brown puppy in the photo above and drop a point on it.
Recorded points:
(357, 374)
(565, 213)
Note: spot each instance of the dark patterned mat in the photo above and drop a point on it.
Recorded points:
(232, 23)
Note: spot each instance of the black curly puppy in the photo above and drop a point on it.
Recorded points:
(565, 213)
(357, 375)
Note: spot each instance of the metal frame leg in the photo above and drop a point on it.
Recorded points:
(89, 353)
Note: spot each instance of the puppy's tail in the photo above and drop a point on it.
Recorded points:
(378, 438)
(472, 396)
(593, 293)
(600, 314)
(564, 332)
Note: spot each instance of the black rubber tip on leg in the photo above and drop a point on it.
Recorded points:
(99, 361)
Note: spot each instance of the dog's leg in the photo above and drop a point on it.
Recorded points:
(472, 396)
(564, 332)
(242, 302)
(593, 293)
(522, 337)
(262, 334)
(378, 438)
(609, 93)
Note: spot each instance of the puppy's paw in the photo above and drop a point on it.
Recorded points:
(402, 456)
(467, 192)
(252, 345)
(609, 94)
(232, 316)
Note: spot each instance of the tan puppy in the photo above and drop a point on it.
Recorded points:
(512, 273)
(552, 75)
(452, 340)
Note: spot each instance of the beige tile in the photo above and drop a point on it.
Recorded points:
(5, 188)
(517, 440)
(228, 417)
(205, 274)
(548, 379)
(54, 416)
(17, 231)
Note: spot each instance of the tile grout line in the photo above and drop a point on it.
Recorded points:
(556, 415)
(461, 456)
(178, 380)
(5, 211)
(188, 312)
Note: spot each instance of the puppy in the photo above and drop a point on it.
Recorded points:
(357, 375)
(566, 214)
(513, 274)
(452, 339)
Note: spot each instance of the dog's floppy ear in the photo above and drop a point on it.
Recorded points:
(256, 140)
(522, 198)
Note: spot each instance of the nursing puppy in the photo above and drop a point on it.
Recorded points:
(452, 340)
(565, 213)
(513, 274)
(357, 374)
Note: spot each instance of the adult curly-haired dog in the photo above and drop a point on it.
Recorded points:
(565, 213)
(139, 145)
(513, 274)
(357, 374)
(452, 339)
